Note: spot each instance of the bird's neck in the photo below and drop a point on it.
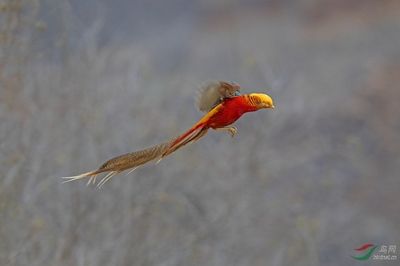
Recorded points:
(244, 104)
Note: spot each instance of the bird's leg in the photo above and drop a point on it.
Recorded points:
(231, 130)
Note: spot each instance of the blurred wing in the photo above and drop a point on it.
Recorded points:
(213, 93)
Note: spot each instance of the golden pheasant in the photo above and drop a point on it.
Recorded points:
(224, 105)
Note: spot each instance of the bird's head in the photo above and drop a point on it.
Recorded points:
(261, 100)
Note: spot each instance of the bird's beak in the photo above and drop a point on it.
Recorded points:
(273, 106)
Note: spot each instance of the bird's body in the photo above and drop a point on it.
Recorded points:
(219, 117)
(230, 110)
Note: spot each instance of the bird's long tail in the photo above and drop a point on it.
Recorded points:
(135, 159)
(193, 134)
(121, 163)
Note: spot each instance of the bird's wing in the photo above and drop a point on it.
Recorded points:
(212, 93)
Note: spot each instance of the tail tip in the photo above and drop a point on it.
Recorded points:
(67, 179)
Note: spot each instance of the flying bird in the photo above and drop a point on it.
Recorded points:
(223, 104)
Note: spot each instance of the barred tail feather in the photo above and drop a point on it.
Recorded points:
(129, 161)
(133, 160)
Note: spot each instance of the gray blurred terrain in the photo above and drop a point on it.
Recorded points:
(304, 184)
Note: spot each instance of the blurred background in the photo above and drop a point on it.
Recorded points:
(304, 184)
